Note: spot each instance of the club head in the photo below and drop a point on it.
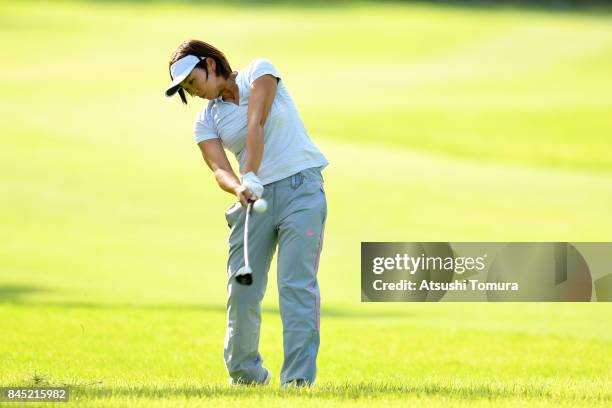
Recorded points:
(244, 276)
(246, 280)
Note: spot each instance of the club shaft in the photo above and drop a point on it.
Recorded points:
(246, 234)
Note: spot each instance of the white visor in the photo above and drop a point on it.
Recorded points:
(180, 70)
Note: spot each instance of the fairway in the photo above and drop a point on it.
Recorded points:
(441, 123)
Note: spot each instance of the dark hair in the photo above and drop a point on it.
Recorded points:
(200, 49)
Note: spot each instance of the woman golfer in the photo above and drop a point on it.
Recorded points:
(250, 113)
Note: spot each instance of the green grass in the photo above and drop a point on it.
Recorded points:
(440, 123)
(433, 355)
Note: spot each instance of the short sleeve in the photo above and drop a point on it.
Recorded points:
(261, 67)
(203, 127)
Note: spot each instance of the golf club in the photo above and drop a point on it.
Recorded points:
(244, 275)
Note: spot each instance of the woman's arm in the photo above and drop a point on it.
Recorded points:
(262, 95)
(216, 159)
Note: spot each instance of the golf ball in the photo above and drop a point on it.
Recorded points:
(260, 205)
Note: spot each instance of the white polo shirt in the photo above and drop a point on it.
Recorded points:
(287, 146)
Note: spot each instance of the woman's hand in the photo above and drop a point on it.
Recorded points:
(244, 195)
(250, 188)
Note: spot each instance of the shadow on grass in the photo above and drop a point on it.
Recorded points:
(329, 312)
(15, 293)
(579, 6)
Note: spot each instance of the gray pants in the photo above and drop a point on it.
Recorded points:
(295, 219)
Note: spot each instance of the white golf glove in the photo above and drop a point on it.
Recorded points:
(253, 184)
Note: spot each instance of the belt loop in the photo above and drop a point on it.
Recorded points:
(294, 181)
(297, 180)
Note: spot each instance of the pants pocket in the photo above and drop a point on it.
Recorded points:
(232, 214)
(315, 193)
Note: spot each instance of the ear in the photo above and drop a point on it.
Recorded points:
(212, 64)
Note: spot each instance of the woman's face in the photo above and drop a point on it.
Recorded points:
(199, 84)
